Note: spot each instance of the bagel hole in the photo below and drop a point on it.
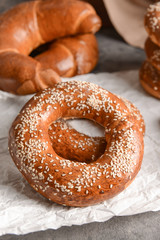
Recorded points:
(86, 126)
(84, 141)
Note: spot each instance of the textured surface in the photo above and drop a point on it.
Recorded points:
(142, 227)
(19, 200)
(115, 55)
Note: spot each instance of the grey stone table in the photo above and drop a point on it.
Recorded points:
(115, 55)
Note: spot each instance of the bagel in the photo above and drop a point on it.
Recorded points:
(150, 79)
(153, 53)
(63, 136)
(149, 74)
(73, 143)
(65, 181)
(152, 23)
(31, 24)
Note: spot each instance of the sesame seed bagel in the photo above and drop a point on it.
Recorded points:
(152, 23)
(150, 79)
(153, 53)
(69, 182)
(78, 146)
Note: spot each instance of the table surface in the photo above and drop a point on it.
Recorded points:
(115, 55)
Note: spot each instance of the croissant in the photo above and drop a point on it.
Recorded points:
(71, 56)
(27, 26)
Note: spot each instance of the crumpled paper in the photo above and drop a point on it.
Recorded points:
(22, 210)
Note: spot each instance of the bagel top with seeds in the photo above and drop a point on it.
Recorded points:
(153, 53)
(66, 181)
(152, 23)
(150, 79)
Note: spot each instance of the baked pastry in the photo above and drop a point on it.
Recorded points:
(69, 182)
(153, 53)
(43, 22)
(71, 56)
(152, 23)
(150, 79)
(149, 72)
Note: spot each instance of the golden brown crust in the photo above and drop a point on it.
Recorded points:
(68, 182)
(149, 72)
(76, 146)
(150, 79)
(73, 143)
(78, 17)
(43, 22)
(19, 32)
(153, 53)
(71, 56)
(135, 113)
(22, 74)
(152, 23)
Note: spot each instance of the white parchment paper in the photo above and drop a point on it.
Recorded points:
(22, 210)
